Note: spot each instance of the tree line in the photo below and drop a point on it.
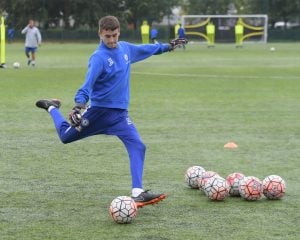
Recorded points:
(86, 13)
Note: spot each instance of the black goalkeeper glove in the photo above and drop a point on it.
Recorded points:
(75, 115)
(178, 42)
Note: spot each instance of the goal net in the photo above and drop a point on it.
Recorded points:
(254, 27)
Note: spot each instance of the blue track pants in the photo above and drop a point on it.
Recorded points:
(110, 122)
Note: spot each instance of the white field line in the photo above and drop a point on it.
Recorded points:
(215, 76)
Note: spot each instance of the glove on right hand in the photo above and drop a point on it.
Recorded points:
(75, 117)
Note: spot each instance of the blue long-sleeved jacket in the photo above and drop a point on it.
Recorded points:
(108, 77)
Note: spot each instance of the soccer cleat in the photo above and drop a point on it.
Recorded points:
(28, 62)
(147, 198)
(45, 103)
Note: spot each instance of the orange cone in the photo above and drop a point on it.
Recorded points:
(230, 145)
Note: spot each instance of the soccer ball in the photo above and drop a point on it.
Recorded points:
(273, 187)
(204, 178)
(216, 188)
(192, 174)
(123, 209)
(233, 180)
(16, 65)
(250, 188)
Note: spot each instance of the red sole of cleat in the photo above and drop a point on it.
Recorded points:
(152, 202)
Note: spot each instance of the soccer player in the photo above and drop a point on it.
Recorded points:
(181, 34)
(153, 35)
(32, 41)
(106, 89)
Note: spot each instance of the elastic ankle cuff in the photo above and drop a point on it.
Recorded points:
(50, 108)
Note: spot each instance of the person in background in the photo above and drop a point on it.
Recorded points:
(33, 39)
(10, 34)
(153, 35)
(181, 34)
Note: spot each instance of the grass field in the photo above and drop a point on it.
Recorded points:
(186, 105)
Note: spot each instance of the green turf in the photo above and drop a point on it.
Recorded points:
(186, 105)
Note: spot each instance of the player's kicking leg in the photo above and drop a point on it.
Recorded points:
(65, 132)
(128, 134)
(46, 104)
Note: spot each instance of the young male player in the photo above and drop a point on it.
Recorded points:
(33, 39)
(181, 33)
(106, 88)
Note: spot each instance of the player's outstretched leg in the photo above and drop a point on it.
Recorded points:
(147, 198)
(61, 125)
(46, 103)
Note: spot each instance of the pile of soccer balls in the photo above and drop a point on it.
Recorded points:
(123, 208)
(235, 184)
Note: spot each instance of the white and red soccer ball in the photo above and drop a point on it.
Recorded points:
(205, 177)
(216, 188)
(233, 180)
(250, 188)
(273, 187)
(123, 209)
(192, 175)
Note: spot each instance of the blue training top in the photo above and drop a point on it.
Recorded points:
(108, 77)
(181, 33)
(153, 33)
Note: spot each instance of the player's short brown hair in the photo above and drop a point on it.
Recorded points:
(109, 23)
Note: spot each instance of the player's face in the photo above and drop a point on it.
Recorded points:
(31, 23)
(110, 38)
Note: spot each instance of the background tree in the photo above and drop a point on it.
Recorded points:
(196, 7)
(280, 10)
(20, 11)
(85, 13)
(50, 13)
(136, 10)
(277, 10)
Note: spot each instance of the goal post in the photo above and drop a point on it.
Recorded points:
(253, 28)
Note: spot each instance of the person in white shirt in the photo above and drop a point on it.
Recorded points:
(32, 41)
